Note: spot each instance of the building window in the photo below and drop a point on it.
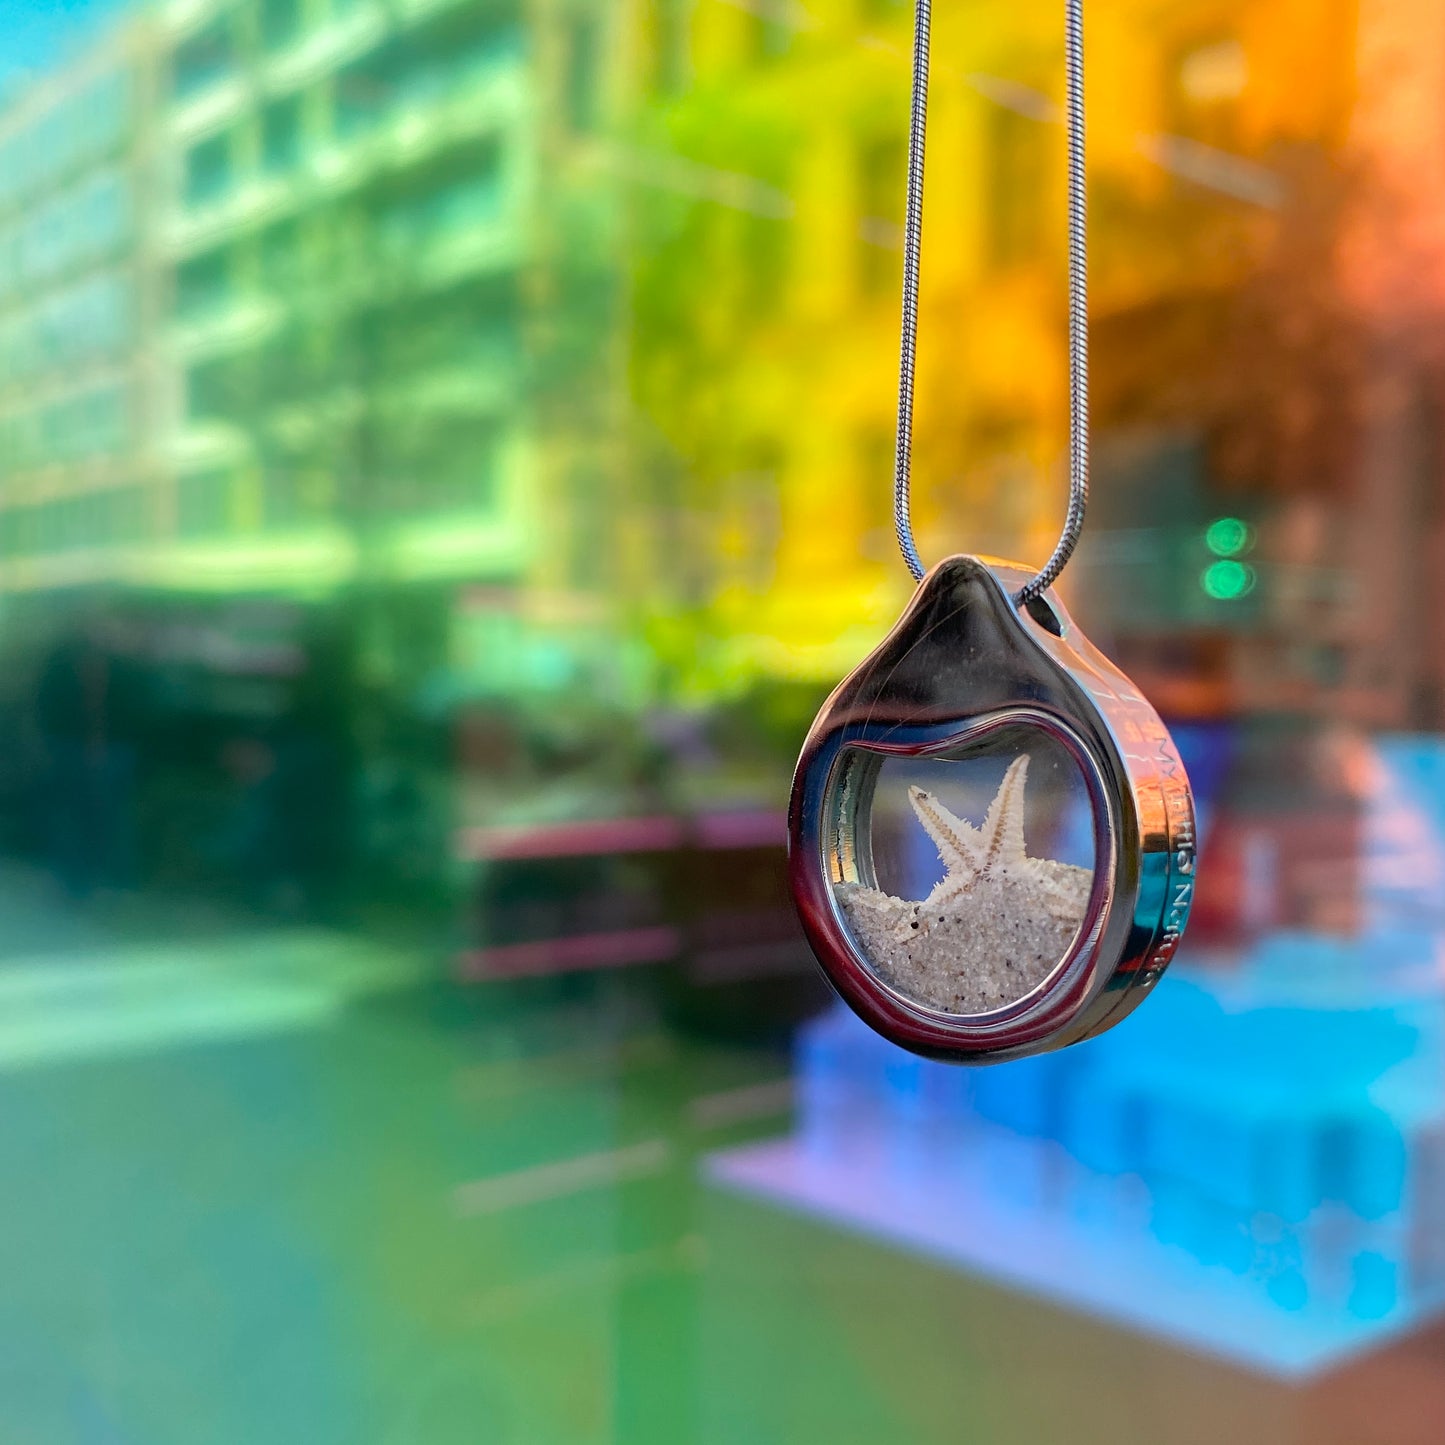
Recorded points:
(447, 205)
(95, 318)
(294, 495)
(220, 388)
(280, 22)
(281, 134)
(366, 91)
(280, 249)
(99, 217)
(105, 419)
(209, 171)
(104, 113)
(84, 425)
(203, 503)
(204, 59)
(451, 468)
(203, 284)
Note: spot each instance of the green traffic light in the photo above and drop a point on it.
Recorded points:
(1228, 536)
(1227, 581)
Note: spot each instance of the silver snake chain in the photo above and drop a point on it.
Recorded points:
(1078, 303)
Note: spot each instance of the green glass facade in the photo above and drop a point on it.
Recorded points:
(80, 302)
(298, 330)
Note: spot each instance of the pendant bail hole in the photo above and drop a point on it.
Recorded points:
(1042, 613)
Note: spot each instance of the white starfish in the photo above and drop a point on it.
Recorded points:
(957, 842)
(995, 923)
(971, 855)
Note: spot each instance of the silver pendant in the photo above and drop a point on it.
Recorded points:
(991, 835)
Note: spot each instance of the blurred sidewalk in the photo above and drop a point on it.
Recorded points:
(133, 973)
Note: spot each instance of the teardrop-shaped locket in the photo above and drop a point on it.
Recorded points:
(991, 835)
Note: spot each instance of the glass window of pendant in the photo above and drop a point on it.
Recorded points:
(969, 876)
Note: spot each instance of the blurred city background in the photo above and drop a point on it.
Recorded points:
(445, 453)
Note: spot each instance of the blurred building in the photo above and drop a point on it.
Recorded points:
(506, 318)
(1254, 469)
(320, 302)
(312, 367)
(81, 472)
(395, 308)
(1268, 392)
(1393, 271)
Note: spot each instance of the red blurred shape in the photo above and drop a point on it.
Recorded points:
(571, 840)
(618, 949)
